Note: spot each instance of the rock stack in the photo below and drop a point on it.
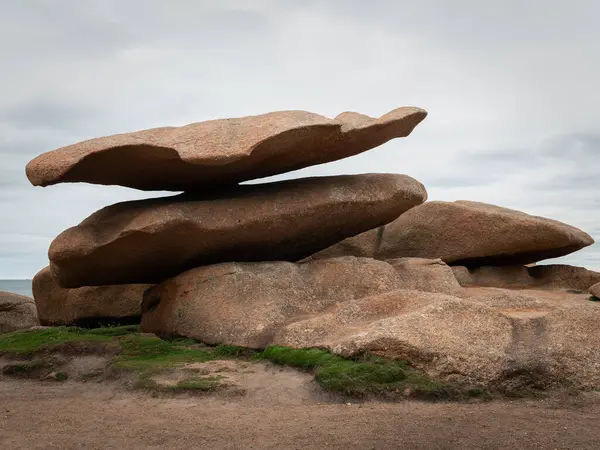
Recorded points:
(353, 264)
(100, 268)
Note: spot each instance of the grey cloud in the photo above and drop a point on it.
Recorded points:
(568, 183)
(10, 180)
(59, 29)
(471, 169)
(65, 29)
(48, 113)
(478, 25)
(510, 87)
(571, 163)
(460, 179)
(576, 146)
(511, 156)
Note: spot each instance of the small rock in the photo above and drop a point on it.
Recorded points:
(17, 312)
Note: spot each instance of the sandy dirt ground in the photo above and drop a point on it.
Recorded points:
(274, 408)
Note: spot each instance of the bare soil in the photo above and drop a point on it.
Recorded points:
(262, 406)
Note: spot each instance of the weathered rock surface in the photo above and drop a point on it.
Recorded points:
(92, 305)
(502, 338)
(495, 337)
(225, 151)
(437, 333)
(551, 276)
(17, 312)
(364, 245)
(427, 275)
(245, 303)
(595, 290)
(150, 240)
(555, 335)
(465, 233)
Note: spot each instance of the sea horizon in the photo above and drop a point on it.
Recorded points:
(20, 286)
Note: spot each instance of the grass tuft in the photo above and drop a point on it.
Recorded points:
(302, 358)
(113, 331)
(200, 384)
(232, 351)
(61, 376)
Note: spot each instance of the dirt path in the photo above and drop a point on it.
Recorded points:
(47, 415)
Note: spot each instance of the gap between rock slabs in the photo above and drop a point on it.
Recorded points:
(124, 351)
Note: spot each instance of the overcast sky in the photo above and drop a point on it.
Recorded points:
(511, 88)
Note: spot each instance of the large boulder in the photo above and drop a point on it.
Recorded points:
(17, 312)
(465, 233)
(150, 240)
(246, 303)
(88, 306)
(498, 338)
(225, 151)
(595, 290)
(437, 333)
(503, 338)
(551, 277)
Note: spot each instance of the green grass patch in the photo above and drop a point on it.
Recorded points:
(232, 351)
(141, 353)
(200, 383)
(148, 355)
(357, 377)
(361, 378)
(29, 341)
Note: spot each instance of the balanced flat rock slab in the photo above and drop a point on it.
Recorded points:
(90, 305)
(218, 152)
(150, 240)
(465, 233)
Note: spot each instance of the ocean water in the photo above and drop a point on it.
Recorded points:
(22, 287)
